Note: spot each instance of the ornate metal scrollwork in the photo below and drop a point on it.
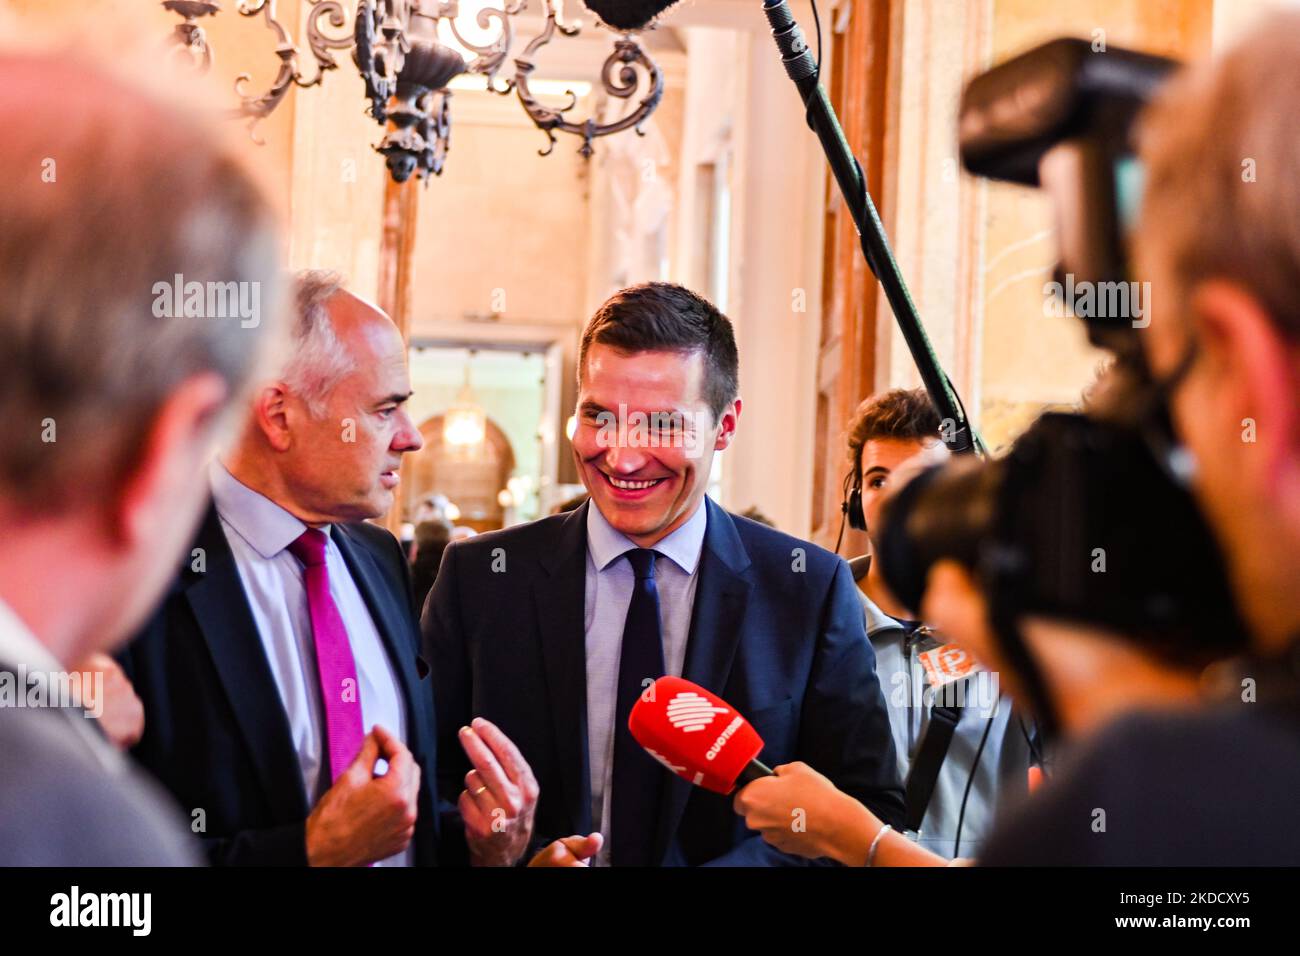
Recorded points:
(257, 106)
(488, 57)
(619, 77)
(189, 37)
(419, 133)
(380, 48)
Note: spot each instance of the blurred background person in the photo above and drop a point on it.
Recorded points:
(571, 504)
(433, 508)
(96, 380)
(278, 675)
(431, 539)
(969, 749)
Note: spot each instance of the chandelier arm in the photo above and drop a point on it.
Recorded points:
(619, 76)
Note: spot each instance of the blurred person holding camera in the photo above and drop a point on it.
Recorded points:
(1070, 568)
(1222, 252)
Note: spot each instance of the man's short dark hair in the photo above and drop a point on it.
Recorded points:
(901, 414)
(662, 316)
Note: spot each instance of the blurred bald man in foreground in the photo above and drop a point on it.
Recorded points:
(286, 704)
(108, 410)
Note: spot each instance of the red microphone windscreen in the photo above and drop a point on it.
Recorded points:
(694, 733)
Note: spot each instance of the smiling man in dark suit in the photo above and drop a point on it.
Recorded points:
(286, 705)
(552, 629)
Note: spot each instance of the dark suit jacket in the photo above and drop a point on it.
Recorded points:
(216, 733)
(776, 630)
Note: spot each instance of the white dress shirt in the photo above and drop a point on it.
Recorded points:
(608, 594)
(259, 532)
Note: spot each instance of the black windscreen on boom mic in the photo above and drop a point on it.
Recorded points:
(627, 14)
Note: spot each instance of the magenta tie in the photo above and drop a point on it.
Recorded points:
(340, 691)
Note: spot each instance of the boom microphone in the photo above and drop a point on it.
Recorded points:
(697, 735)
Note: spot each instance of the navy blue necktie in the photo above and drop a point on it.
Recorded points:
(637, 777)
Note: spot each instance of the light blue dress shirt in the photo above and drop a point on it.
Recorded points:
(1003, 765)
(259, 532)
(609, 591)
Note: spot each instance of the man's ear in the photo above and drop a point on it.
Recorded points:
(175, 448)
(1255, 372)
(271, 415)
(727, 425)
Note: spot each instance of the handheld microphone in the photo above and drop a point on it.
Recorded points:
(697, 735)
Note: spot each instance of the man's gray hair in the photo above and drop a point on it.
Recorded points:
(1222, 152)
(318, 361)
(114, 205)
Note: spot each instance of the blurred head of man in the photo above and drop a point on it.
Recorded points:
(888, 430)
(109, 395)
(325, 439)
(1219, 239)
(658, 381)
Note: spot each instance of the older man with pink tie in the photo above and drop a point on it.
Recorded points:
(287, 707)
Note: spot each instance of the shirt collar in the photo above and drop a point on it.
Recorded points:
(18, 645)
(267, 527)
(682, 547)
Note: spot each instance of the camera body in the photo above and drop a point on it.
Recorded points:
(1061, 118)
(1079, 523)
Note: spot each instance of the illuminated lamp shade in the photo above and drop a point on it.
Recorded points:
(464, 425)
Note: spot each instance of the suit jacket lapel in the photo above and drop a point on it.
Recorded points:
(401, 645)
(560, 598)
(221, 610)
(716, 620)
(393, 626)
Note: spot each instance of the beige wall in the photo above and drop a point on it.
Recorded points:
(503, 230)
(313, 152)
(977, 254)
(777, 243)
(135, 33)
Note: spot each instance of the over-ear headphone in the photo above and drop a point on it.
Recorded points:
(852, 504)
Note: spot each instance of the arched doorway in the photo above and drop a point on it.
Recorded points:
(470, 478)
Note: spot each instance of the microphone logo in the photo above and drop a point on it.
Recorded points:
(689, 712)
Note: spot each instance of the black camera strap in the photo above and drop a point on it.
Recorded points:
(923, 776)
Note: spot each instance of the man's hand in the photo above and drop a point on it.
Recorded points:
(499, 798)
(121, 713)
(363, 818)
(571, 851)
(800, 811)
